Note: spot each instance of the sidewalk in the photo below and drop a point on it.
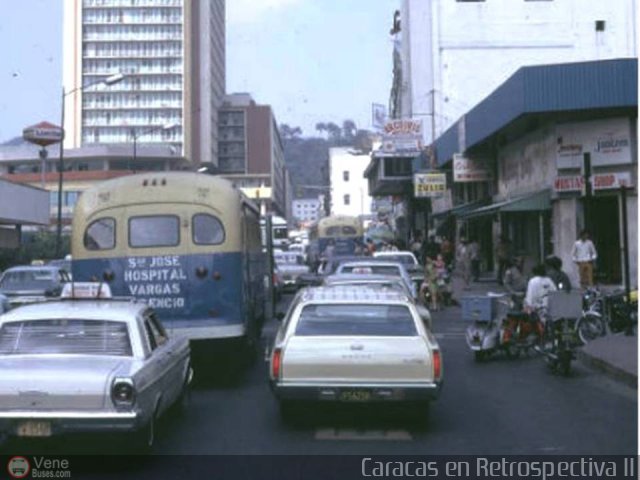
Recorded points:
(615, 355)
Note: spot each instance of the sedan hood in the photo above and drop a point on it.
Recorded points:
(44, 382)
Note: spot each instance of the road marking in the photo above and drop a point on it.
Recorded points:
(335, 434)
(444, 336)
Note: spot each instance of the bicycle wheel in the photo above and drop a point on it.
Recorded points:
(590, 327)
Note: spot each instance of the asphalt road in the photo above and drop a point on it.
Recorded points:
(499, 406)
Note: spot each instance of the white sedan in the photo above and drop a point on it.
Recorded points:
(354, 344)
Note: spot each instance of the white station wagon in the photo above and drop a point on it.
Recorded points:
(88, 365)
(354, 344)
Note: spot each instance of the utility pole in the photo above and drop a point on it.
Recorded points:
(625, 249)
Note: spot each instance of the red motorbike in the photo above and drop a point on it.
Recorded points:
(520, 333)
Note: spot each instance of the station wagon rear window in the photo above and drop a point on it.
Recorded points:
(154, 231)
(357, 320)
(65, 337)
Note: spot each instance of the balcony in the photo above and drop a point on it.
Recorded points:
(389, 175)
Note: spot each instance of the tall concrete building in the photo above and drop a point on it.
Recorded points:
(452, 54)
(252, 153)
(173, 55)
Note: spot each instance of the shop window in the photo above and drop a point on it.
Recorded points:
(345, 175)
(347, 199)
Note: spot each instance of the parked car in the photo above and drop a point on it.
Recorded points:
(379, 281)
(410, 262)
(326, 267)
(354, 344)
(30, 284)
(369, 267)
(88, 365)
(290, 266)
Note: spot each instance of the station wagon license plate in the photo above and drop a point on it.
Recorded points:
(34, 429)
(355, 395)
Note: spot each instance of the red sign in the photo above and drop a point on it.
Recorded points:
(43, 134)
(601, 181)
(569, 184)
(605, 181)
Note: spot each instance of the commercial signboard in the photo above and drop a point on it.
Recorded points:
(442, 203)
(608, 141)
(469, 170)
(43, 134)
(608, 181)
(402, 137)
(600, 181)
(429, 184)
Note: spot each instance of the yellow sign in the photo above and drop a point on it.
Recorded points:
(429, 184)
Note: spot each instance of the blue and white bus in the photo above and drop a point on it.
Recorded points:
(186, 243)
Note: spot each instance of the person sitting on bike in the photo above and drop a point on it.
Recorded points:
(538, 289)
(514, 281)
(430, 284)
(553, 265)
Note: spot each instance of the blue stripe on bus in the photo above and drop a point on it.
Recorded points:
(171, 285)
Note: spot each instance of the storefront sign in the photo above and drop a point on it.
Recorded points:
(442, 203)
(608, 141)
(469, 170)
(600, 181)
(573, 183)
(429, 184)
(402, 137)
(607, 181)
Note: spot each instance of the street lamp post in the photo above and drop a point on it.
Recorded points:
(135, 137)
(111, 80)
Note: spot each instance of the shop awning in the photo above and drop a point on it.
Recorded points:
(458, 210)
(527, 203)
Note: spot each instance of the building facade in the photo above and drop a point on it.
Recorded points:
(307, 210)
(83, 167)
(453, 53)
(251, 153)
(349, 187)
(528, 152)
(172, 53)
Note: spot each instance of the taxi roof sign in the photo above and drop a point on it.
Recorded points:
(86, 290)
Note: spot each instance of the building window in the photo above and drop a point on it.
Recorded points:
(347, 199)
(345, 175)
(600, 25)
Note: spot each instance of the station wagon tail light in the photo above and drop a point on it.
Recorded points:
(123, 392)
(276, 363)
(437, 365)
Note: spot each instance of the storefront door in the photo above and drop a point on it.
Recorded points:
(605, 221)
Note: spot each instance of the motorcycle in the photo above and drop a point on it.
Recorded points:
(560, 337)
(622, 313)
(509, 330)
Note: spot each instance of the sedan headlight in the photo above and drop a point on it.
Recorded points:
(123, 392)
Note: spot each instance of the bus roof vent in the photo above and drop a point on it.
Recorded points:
(164, 181)
(154, 182)
(145, 183)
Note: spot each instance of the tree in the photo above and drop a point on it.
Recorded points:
(349, 129)
(321, 127)
(287, 132)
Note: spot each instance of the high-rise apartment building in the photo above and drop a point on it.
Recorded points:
(173, 55)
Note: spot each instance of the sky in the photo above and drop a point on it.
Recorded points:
(311, 60)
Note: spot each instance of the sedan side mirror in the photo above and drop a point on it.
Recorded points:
(279, 316)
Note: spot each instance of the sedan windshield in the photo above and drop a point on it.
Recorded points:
(27, 280)
(356, 320)
(371, 269)
(62, 336)
(404, 259)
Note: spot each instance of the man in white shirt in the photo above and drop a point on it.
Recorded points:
(538, 289)
(584, 254)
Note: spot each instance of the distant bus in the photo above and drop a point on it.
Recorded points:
(186, 243)
(345, 231)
